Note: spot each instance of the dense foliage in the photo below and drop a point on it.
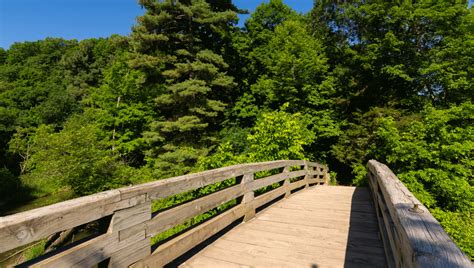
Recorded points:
(188, 90)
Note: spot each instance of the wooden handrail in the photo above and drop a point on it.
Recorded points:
(412, 237)
(128, 239)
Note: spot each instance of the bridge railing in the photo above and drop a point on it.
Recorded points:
(127, 241)
(412, 237)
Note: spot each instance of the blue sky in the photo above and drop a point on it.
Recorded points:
(29, 20)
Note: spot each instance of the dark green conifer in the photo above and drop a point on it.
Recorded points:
(177, 43)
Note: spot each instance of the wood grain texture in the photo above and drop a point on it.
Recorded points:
(132, 226)
(131, 254)
(298, 232)
(172, 217)
(319, 226)
(179, 245)
(176, 185)
(249, 195)
(418, 240)
(26, 227)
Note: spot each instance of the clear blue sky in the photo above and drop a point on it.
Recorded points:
(29, 20)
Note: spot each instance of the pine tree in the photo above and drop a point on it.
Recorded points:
(177, 45)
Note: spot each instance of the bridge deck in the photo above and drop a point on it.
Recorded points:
(323, 226)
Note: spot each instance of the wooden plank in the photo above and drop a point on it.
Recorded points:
(176, 247)
(328, 223)
(337, 189)
(316, 232)
(391, 233)
(342, 193)
(26, 227)
(84, 253)
(251, 260)
(267, 197)
(130, 254)
(335, 208)
(348, 196)
(344, 221)
(313, 164)
(204, 261)
(129, 217)
(322, 237)
(172, 217)
(322, 213)
(296, 174)
(341, 205)
(263, 182)
(176, 185)
(278, 256)
(90, 252)
(297, 184)
(424, 243)
(266, 181)
(383, 228)
(315, 173)
(315, 181)
(298, 244)
(337, 201)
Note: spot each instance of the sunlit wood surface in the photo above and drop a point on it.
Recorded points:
(324, 226)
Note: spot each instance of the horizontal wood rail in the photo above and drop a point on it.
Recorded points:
(412, 237)
(128, 239)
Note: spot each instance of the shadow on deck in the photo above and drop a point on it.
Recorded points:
(324, 226)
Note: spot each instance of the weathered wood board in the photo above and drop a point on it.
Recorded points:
(299, 232)
(415, 237)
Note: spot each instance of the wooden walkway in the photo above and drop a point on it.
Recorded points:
(302, 223)
(323, 226)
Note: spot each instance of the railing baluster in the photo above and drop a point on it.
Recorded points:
(249, 195)
(326, 177)
(306, 176)
(286, 183)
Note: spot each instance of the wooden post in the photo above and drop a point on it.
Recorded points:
(126, 219)
(326, 177)
(306, 176)
(248, 196)
(286, 183)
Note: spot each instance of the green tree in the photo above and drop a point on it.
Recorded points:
(433, 156)
(78, 157)
(173, 45)
(390, 53)
(279, 135)
(276, 135)
(44, 82)
(251, 44)
(126, 109)
(32, 91)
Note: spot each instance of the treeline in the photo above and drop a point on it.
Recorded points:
(188, 90)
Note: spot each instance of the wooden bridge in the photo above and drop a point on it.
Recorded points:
(274, 214)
